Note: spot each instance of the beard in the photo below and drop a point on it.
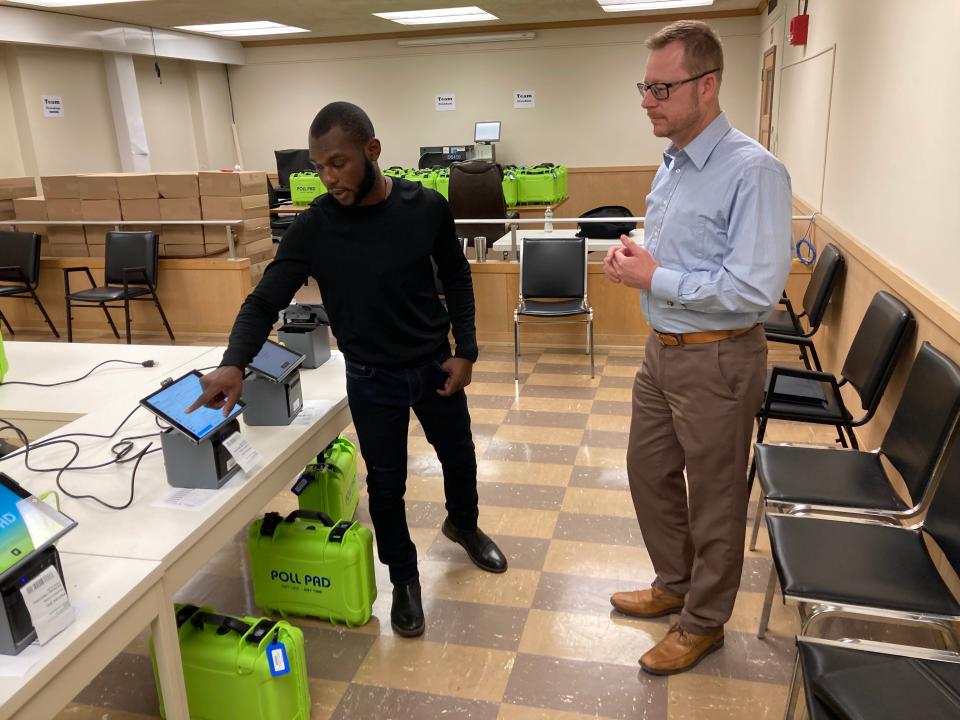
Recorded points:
(366, 184)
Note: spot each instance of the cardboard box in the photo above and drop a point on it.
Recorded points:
(137, 186)
(256, 270)
(218, 183)
(6, 206)
(181, 235)
(140, 209)
(261, 257)
(178, 185)
(180, 208)
(17, 187)
(60, 187)
(61, 235)
(97, 234)
(249, 207)
(62, 209)
(30, 208)
(69, 250)
(194, 250)
(100, 209)
(101, 186)
(96, 250)
(40, 230)
(216, 249)
(249, 249)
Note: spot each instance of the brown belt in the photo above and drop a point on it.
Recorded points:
(698, 338)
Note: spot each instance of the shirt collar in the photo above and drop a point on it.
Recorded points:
(702, 145)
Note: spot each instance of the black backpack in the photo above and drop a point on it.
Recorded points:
(608, 230)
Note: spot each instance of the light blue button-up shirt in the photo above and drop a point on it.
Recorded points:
(718, 226)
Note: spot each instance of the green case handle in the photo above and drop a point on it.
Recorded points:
(224, 623)
(310, 515)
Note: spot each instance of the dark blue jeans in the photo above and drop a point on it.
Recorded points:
(380, 401)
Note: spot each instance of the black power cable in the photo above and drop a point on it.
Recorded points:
(144, 363)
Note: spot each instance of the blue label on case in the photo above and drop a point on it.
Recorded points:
(277, 659)
(300, 485)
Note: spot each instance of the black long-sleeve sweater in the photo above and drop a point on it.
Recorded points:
(372, 264)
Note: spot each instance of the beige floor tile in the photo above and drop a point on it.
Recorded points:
(615, 394)
(444, 669)
(552, 404)
(616, 503)
(599, 560)
(568, 359)
(595, 638)
(503, 366)
(614, 423)
(522, 712)
(621, 370)
(523, 473)
(325, 695)
(563, 380)
(521, 522)
(602, 457)
(487, 416)
(75, 711)
(692, 696)
(460, 581)
(487, 388)
(481, 445)
(425, 489)
(784, 620)
(545, 435)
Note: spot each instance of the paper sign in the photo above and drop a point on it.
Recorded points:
(446, 102)
(523, 99)
(52, 106)
(242, 452)
(312, 411)
(186, 499)
(48, 605)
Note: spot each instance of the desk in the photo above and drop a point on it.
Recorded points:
(289, 209)
(39, 411)
(503, 244)
(178, 542)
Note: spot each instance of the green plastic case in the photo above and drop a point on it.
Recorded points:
(510, 186)
(305, 564)
(536, 185)
(304, 187)
(331, 484)
(227, 671)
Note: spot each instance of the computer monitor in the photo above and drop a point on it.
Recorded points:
(289, 162)
(487, 132)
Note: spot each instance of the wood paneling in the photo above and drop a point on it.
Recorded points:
(198, 296)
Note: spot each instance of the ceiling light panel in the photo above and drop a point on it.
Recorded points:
(641, 5)
(438, 16)
(243, 29)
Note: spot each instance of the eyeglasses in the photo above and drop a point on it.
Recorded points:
(661, 91)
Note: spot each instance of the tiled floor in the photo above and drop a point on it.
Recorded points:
(541, 640)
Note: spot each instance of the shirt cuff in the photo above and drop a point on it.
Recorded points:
(665, 284)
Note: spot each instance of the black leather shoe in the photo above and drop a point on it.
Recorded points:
(481, 549)
(406, 615)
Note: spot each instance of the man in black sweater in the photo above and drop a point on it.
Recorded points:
(368, 243)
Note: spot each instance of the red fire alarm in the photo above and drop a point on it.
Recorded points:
(799, 26)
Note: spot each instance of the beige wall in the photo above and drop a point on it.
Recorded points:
(587, 106)
(211, 110)
(166, 114)
(10, 161)
(889, 174)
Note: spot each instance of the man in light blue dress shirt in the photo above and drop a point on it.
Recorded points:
(716, 255)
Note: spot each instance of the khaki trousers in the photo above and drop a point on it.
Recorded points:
(693, 408)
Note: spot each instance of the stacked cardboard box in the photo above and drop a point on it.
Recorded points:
(238, 196)
(93, 197)
(12, 188)
(180, 200)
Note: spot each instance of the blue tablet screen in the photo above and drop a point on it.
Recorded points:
(174, 400)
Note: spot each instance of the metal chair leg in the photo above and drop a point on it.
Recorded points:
(163, 316)
(816, 358)
(590, 348)
(761, 431)
(853, 438)
(43, 311)
(794, 695)
(516, 349)
(126, 317)
(69, 320)
(758, 518)
(767, 603)
(116, 334)
(3, 319)
(840, 436)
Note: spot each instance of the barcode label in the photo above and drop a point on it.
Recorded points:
(35, 585)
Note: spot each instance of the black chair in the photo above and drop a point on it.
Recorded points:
(20, 265)
(870, 570)
(811, 396)
(785, 326)
(278, 223)
(289, 162)
(863, 680)
(854, 483)
(476, 192)
(553, 287)
(130, 273)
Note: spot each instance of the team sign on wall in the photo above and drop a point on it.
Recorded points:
(522, 100)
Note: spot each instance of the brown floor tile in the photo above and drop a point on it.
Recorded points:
(474, 624)
(501, 389)
(74, 711)
(575, 636)
(419, 514)
(367, 701)
(228, 594)
(534, 434)
(487, 416)
(531, 452)
(524, 712)
(563, 368)
(489, 376)
(633, 361)
(599, 689)
(521, 552)
(576, 594)
(499, 402)
(549, 404)
(599, 560)
(606, 439)
(694, 697)
(558, 391)
(618, 382)
(570, 380)
(607, 478)
(325, 695)
(744, 657)
(536, 497)
(333, 653)
(461, 581)
(756, 571)
(611, 407)
(125, 684)
(599, 529)
(546, 419)
(436, 668)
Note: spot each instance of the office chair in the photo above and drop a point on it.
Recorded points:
(553, 287)
(289, 162)
(784, 326)
(20, 265)
(476, 191)
(129, 272)
(278, 223)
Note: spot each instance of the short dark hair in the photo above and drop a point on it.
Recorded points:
(348, 117)
(702, 50)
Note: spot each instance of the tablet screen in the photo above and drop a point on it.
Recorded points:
(26, 523)
(172, 401)
(275, 362)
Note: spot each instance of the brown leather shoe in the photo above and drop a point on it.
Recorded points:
(649, 603)
(680, 651)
